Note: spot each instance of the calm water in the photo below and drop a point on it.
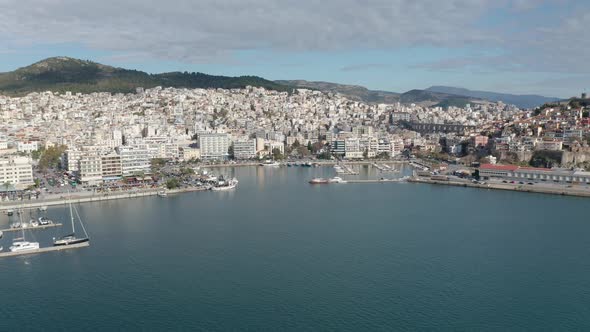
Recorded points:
(279, 254)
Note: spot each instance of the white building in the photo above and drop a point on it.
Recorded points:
(134, 160)
(90, 169)
(245, 149)
(17, 171)
(214, 146)
(27, 147)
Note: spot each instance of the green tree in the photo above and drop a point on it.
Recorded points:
(230, 151)
(276, 154)
(309, 146)
(172, 183)
(50, 157)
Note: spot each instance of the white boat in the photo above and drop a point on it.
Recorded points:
(270, 163)
(44, 221)
(337, 179)
(225, 185)
(43, 208)
(19, 246)
(33, 223)
(10, 212)
(1, 234)
(162, 193)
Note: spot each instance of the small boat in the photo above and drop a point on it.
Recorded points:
(225, 185)
(1, 236)
(10, 212)
(162, 193)
(43, 208)
(337, 179)
(34, 223)
(43, 221)
(16, 225)
(270, 163)
(319, 181)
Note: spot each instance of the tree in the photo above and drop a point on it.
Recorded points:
(309, 147)
(172, 183)
(230, 150)
(276, 154)
(50, 157)
(6, 185)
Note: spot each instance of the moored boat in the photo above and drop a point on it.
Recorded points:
(319, 181)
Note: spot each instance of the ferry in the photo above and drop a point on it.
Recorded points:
(319, 181)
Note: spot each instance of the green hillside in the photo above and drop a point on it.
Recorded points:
(62, 74)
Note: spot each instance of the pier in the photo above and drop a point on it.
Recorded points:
(30, 228)
(42, 250)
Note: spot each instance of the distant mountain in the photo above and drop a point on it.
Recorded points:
(354, 92)
(67, 74)
(522, 101)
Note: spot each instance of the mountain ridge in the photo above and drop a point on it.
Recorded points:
(62, 74)
(522, 101)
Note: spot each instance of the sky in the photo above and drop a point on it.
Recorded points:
(519, 46)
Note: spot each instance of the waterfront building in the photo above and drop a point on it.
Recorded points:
(245, 149)
(513, 172)
(111, 167)
(90, 169)
(70, 160)
(17, 171)
(214, 146)
(134, 160)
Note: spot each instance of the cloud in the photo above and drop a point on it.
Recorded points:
(366, 66)
(213, 30)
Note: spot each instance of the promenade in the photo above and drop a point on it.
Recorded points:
(85, 197)
(573, 191)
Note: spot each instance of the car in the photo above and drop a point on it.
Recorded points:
(504, 181)
(511, 181)
(521, 182)
(530, 183)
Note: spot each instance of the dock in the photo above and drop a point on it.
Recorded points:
(31, 228)
(42, 250)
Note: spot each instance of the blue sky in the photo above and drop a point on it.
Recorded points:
(521, 46)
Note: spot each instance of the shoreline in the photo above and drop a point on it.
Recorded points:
(508, 187)
(4, 206)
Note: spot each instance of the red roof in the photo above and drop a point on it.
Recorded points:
(499, 167)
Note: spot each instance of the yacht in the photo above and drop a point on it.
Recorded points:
(72, 238)
(18, 246)
(21, 244)
(319, 181)
(44, 221)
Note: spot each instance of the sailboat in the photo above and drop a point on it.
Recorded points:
(21, 244)
(72, 238)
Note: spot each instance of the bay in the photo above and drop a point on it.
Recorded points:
(280, 254)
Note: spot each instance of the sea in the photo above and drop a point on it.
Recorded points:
(278, 254)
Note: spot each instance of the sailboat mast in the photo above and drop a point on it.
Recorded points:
(72, 216)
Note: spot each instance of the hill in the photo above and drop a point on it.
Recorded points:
(522, 101)
(67, 74)
(354, 92)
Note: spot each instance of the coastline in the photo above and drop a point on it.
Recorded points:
(509, 187)
(4, 206)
